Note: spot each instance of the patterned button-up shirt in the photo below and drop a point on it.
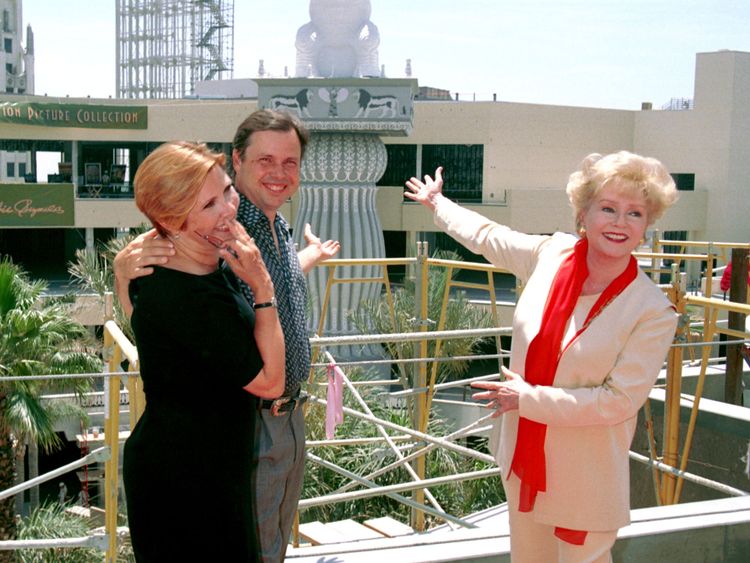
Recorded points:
(289, 286)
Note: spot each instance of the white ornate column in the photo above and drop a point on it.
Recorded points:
(338, 199)
(343, 161)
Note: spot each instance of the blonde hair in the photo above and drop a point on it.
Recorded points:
(634, 174)
(169, 180)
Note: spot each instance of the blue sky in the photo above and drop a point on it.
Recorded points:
(597, 53)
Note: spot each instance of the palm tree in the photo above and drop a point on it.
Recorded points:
(460, 499)
(93, 271)
(374, 316)
(50, 521)
(37, 337)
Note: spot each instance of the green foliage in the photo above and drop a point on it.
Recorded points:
(50, 522)
(464, 497)
(37, 337)
(459, 499)
(93, 271)
(361, 459)
(375, 316)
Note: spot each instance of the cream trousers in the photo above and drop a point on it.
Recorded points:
(532, 542)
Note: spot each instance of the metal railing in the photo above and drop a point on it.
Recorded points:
(669, 465)
(117, 348)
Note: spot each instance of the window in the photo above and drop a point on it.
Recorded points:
(8, 43)
(402, 165)
(11, 169)
(9, 68)
(21, 169)
(462, 164)
(6, 20)
(462, 169)
(684, 182)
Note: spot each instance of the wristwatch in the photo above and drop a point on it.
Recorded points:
(271, 303)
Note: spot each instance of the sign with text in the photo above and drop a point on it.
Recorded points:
(37, 205)
(74, 115)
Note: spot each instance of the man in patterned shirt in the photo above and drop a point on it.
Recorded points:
(267, 153)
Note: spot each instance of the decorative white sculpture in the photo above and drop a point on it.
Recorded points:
(338, 41)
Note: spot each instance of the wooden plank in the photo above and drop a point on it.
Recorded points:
(318, 533)
(389, 527)
(94, 515)
(354, 531)
(80, 511)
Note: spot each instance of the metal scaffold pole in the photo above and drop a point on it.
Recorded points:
(421, 414)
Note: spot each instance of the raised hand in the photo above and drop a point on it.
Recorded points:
(327, 249)
(428, 191)
(315, 250)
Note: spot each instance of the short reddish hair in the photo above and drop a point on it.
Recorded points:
(169, 180)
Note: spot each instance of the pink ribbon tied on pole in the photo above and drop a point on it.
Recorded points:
(334, 400)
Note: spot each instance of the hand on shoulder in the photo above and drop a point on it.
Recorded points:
(141, 254)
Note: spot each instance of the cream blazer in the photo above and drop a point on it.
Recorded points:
(603, 378)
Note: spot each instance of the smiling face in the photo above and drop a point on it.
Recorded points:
(615, 223)
(268, 172)
(214, 209)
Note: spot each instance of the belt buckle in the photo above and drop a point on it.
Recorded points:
(277, 404)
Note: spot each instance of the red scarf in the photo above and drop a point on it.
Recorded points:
(542, 358)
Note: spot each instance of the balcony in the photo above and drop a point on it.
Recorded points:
(686, 510)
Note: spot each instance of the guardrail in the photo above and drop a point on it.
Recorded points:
(669, 467)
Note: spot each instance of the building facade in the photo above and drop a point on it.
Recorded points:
(17, 77)
(509, 161)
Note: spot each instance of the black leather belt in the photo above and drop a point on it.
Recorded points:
(283, 404)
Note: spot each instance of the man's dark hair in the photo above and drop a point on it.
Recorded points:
(269, 120)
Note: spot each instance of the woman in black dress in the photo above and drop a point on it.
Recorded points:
(205, 355)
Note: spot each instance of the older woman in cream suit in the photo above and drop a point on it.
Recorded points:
(590, 334)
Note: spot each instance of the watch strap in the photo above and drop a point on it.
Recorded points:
(271, 303)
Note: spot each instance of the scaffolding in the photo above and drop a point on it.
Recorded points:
(165, 46)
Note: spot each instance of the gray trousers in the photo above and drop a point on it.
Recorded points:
(280, 447)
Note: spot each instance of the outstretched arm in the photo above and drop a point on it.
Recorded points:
(315, 250)
(428, 192)
(137, 259)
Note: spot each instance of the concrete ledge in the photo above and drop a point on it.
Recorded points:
(713, 414)
(470, 546)
(715, 530)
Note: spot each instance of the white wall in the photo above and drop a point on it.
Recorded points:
(529, 151)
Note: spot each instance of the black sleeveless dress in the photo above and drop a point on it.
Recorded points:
(188, 464)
